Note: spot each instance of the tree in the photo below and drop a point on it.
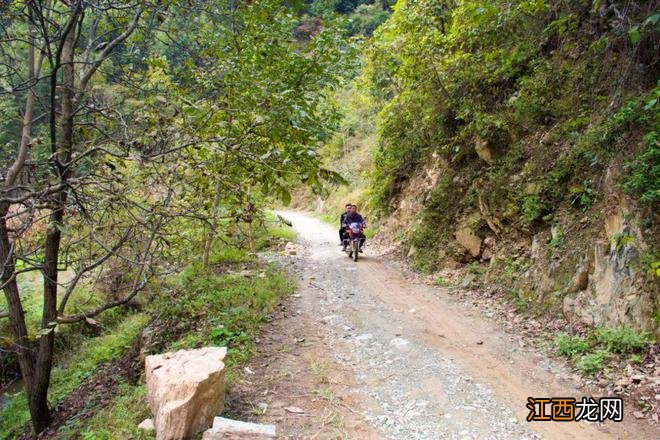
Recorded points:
(52, 51)
(118, 146)
(264, 109)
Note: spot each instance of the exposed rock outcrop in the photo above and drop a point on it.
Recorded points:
(468, 240)
(613, 291)
(484, 153)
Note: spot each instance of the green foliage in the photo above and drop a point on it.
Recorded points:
(520, 299)
(622, 339)
(74, 369)
(442, 282)
(583, 196)
(570, 346)
(223, 309)
(593, 362)
(537, 94)
(366, 19)
(533, 207)
(643, 171)
(603, 345)
(475, 268)
(119, 419)
(620, 240)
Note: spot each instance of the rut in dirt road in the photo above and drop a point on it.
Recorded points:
(422, 365)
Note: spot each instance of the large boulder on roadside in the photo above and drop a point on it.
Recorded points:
(185, 390)
(234, 429)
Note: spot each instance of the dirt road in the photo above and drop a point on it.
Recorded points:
(363, 352)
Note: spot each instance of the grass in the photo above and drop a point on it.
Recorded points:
(29, 285)
(442, 282)
(570, 346)
(214, 306)
(275, 229)
(602, 345)
(119, 420)
(73, 370)
(226, 309)
(622, 339)
(593, 362)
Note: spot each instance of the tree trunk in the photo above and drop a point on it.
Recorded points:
(24, 348)
(22, 344)
(210, 237)
(38, 394)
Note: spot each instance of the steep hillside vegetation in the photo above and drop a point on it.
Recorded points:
(523, 136)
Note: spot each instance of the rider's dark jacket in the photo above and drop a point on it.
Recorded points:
(353, 218)
(341, 219)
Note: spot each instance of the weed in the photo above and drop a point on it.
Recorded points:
(643, 171)
(558, 238)
(622, 339)
(570, 346)
(475, 268)
(120, 419)
(622, 239)
(320, 372)
(583, 196)
(593, 362)
(533, 207)
(325, 393)
(442, 282)
(518, 299)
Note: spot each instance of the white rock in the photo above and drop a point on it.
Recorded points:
(185, 390)
(234, 429)
(399, 342)
(147, 425)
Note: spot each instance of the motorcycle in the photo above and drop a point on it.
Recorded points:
(352, 243)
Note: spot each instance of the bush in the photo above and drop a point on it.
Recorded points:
(569, 346)
(592, 363)
(532, 208)
(622, 339)
(643, 177)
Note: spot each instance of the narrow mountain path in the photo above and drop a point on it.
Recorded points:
(362, 352)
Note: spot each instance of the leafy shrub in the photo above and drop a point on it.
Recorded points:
(622, 339)
(593, 362)
(532, 208)
(519, 299)
(583, 196)
(643, 177)
(569, 346)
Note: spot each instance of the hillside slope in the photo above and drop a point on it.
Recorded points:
(519, 139)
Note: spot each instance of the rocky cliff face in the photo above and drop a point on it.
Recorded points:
(590, 268)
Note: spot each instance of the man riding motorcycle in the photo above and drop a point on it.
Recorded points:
(354, 217)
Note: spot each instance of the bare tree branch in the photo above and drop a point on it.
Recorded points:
(92, 266)
(105, 53)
